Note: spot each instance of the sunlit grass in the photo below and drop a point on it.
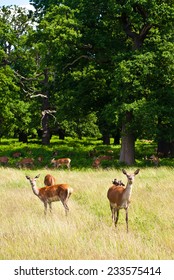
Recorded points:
(87, 232)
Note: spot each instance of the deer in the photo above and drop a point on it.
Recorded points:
(154, 159)
(4, 160)
(49, 180)
(25, 162)
(105, 157)
(97, 161)
(16, 154)
(119, 197)
(61, 161)
(49, 194)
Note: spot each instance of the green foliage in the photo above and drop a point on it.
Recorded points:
(81, 151)
(89, 62)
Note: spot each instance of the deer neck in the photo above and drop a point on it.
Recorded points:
(34, 188)
(128, 190)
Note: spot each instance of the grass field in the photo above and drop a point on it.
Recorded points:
(87, 232)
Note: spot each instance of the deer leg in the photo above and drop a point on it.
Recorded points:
(113, 212)
(127, 219)
(66, 208)
(50, 205)
(64, 202)
(45, 208)
(68, 165)
(116, 219)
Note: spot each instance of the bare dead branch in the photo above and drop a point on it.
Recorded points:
(38, 95)
(48, 112)
(28, 79)
(77, 59)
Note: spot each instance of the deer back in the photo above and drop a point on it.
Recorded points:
(115, 194)
(54, 192)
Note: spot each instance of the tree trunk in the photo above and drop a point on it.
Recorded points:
(61, 134)
(117, 137)
(165, 148)
(46, 135)
(106, 138)
(127, 153)
(23, 137)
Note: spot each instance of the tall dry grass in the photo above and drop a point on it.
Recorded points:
(87, 232)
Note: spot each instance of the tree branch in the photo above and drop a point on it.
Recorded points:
(28, 79)
(138, 38)
(48, 112)
(77, 59)
(38, 95)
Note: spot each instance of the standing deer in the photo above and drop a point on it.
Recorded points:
(49, 180)
(119, 197)
(59, 192)
(61, 161)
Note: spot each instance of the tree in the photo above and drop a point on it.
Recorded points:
(115, 69)
(14, 109)
(55, 40)
(145, 30)
(119, 43)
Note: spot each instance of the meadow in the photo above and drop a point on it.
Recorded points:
(87, 232)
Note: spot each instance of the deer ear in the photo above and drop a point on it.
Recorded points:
(37, 176)
(137, 171)
(27, 177)
(124, 171)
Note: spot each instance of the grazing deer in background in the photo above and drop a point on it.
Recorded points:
(4, 160)
(17, 154)
(61, 161)
(119, 197)
(97, 161)
(154, 159)
(59, 192)
(25, 162)
(49, 180)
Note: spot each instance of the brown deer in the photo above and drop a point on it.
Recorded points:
(16, 154)
(59, 192)
(105, 157)
(154, 159)
(25, 162)
(61, 161)
(97, 161)
(49, 180)
(119, 197)
(4, 160)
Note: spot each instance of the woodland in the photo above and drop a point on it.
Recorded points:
(102, 69)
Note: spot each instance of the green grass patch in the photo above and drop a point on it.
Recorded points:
(82, 152)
